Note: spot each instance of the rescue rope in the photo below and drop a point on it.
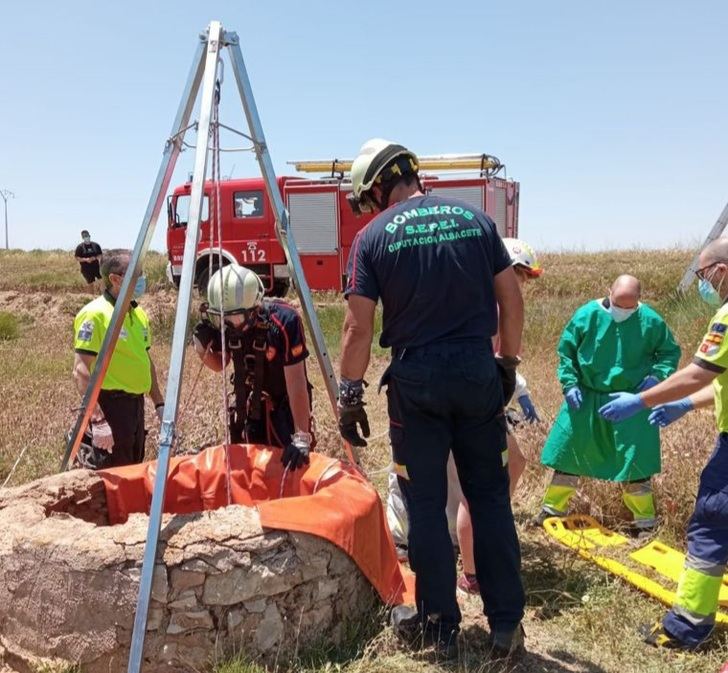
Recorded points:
(283, 482)
(218, 222)
(334, 462)
(15, 465)
(191, 396)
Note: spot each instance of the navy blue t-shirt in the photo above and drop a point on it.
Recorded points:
(286, 343)
(431, 260)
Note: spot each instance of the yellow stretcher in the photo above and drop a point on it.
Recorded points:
(587, 536)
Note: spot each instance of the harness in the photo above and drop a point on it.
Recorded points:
(252, 404)
(249, 369)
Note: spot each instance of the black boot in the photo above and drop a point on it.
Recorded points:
(507, 644)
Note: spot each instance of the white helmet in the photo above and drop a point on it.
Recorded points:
(234, 289)
(522, 255)
(368, 168)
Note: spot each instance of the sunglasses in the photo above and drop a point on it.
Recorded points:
(700, 273)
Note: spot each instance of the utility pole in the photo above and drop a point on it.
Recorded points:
(6, 194)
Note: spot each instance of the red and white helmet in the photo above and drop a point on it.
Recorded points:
(523, 256)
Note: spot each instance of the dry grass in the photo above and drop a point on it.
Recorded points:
(57, 270)
(578, 619)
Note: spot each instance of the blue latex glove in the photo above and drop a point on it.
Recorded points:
(573, 397)
(670, 412)
(647, 382)
(621, 406)
(529, 411)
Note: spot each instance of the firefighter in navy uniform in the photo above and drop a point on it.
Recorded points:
(442, 273)
(266, 343)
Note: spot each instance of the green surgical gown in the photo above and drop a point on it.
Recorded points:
(601, 356)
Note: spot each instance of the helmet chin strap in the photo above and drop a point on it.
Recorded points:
(382, 205)
(386, 189)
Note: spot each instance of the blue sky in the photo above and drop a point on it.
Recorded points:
(612, 115)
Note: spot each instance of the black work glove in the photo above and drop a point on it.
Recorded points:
(351, 411)
(295, 455)
(349, 418)
(507, 369)
(206, 333)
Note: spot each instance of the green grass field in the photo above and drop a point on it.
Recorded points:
(579, 619)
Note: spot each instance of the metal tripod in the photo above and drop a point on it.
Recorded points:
(716, 232)
(204, 72)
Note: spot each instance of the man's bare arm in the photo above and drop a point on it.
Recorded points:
(356, 340)
(705, 397)
(297, 388)
(684, 382)
(155, 392)
(510, 315)
(83, 363)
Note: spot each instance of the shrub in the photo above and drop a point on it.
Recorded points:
(8, 326)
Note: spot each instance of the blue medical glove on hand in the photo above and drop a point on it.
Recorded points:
(621, 406)
(670, 412)
(648, 382)
(573, 397)
(529, 411)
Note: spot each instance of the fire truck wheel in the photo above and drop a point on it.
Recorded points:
(203, 275)
(280, 287)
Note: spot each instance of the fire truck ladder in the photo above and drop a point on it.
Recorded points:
(487, 165)
(204, 72)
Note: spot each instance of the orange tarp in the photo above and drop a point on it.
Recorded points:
(327, 498)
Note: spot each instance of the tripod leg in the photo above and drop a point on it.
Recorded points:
(164, 175)
(283, 230)
(207, 70)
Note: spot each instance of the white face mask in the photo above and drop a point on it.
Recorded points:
(620, 314)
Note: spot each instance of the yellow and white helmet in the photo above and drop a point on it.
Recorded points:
(234, 289)
(378, 160)
(523, 256)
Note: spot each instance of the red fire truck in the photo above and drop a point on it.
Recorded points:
(322, 222)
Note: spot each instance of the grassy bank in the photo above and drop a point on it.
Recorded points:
(578, 619)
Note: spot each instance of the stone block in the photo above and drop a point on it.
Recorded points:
(182, 622)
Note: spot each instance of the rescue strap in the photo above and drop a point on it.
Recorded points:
(249, 370)
(256, 366)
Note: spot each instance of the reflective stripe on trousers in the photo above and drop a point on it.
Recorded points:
(698, 589)
(559, 493)
(692, 618)
(637, 496)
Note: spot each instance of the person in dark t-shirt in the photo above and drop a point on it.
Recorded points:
(265, 341)
(88, 255)
(447, 287)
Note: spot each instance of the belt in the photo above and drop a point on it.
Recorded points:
(400, 352)
(119, 393)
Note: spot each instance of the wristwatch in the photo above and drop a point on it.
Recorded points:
(302, 440)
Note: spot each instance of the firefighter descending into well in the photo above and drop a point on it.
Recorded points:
(265, 340)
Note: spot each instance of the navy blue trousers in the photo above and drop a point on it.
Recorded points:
(689, 621)
(447, 397)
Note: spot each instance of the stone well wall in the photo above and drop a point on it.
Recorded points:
(69, 583)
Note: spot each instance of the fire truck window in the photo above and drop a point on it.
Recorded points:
(249, 203)
(182, 210)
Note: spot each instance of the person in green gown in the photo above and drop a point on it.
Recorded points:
(610, 345)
